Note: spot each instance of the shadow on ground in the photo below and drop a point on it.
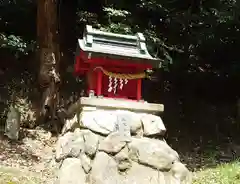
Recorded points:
(15, 150)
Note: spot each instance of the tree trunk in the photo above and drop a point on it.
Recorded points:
(48, 55)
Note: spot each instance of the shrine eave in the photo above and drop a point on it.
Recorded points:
(116, 52)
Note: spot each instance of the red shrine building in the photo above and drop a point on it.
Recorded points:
(114, 64)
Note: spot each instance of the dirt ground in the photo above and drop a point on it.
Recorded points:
(32, 154)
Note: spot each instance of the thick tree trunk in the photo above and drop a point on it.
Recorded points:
(49, 55)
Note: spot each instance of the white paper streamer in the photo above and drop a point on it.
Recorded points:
(115, 85)
(110, 84)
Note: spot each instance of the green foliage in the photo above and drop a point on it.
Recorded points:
(17, 24)
(116, 13)
(117, 21)
(15, 44)
(222, 174)
(196, 36)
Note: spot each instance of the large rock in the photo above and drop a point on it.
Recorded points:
(152, 125)
(62, 148)
(132, 119)
(76, 147)
(91, 141)
(104, 170)
(113, 143)
(145, 175)
(70, 125)
(103, 122)
(12, 125)
(71, 144)
(71, 172)
(123, 126)
(122, 159)
(181, 173)
(154, 153)
(139, 174)
(86, 162)
(135, 123)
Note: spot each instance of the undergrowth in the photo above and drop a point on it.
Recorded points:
(222, 174)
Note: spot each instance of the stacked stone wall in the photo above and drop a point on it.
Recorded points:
(117, 147)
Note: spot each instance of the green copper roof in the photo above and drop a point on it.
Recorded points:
(115, 45)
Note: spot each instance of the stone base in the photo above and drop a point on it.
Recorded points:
(103, 146)
(105, 121)
(121, 104)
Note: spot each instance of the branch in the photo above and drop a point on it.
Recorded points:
(171, 48)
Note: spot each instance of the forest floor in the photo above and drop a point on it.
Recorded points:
(30, 161)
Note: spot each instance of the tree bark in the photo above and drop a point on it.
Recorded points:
(48, 55)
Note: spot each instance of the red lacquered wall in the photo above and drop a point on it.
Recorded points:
(99, 82)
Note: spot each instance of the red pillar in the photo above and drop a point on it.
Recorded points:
(139, 89)
(89, 82)
(99, 83)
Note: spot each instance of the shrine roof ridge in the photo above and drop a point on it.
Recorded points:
(107, 43)
(93, 31)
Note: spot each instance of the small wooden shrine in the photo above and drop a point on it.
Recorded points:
(114, 64)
